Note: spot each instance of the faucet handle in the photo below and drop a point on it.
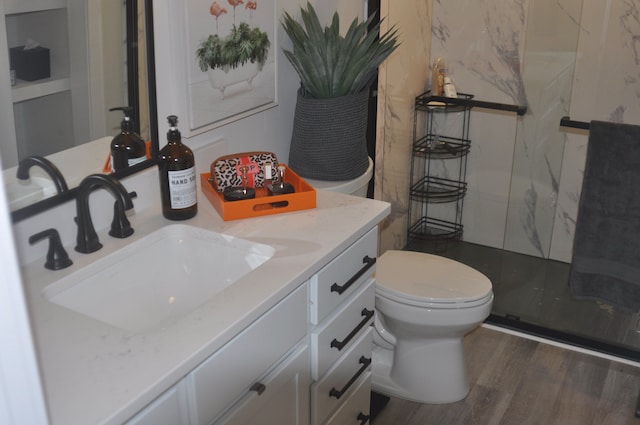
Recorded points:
(120, 226)
(57, 257)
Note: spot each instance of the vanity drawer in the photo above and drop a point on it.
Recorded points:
(340, 278)
(229, 372)
(342, 379)
(330, 340)
(356, 409)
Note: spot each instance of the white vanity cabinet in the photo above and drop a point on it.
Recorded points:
(305, 361)
(342, 298)
(242, 368)
(263, 373)
(280, 398)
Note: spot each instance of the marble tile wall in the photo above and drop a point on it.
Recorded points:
(606, 86)
(524, 174)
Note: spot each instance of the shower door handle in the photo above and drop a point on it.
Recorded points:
(368, 263)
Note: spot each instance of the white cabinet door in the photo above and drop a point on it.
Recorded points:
(281, 398)
(223, 378)
(168, 409)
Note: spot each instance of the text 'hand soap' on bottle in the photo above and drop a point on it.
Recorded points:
(127, 148)
(177, 171)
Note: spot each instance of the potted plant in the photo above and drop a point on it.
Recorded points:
(237, 57)
(329, 132)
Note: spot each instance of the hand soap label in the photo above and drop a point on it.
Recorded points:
(182, 188)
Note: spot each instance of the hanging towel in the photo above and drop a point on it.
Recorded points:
(606, 246)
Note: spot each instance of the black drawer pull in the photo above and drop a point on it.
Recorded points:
(368, 314)
(258, 387)
(365, 362)
(363, 418)
(368, 262)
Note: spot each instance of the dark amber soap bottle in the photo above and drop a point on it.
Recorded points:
(127, 148)
(177, 171)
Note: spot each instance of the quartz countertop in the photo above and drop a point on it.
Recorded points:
(94, 373)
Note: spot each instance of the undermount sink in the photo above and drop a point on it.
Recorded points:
(164, 275)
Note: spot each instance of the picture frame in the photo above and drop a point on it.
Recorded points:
(230, 71)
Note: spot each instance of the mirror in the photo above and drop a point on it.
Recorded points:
(103, 59)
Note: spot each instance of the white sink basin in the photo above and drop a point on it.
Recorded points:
(164, 275)
(22, 193)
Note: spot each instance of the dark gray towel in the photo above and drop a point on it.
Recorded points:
(606, 246)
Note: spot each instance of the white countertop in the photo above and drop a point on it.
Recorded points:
(95, 373)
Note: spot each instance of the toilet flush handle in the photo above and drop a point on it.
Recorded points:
(368, 263)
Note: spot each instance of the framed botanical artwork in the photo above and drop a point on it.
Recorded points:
(230, 57)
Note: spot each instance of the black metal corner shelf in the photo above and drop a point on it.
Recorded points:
(438, 167)
(433, 229)
(437, 190)
(427, 102)
(441, 147)
(439, 163)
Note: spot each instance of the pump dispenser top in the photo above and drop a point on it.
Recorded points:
(173, 135)
(127, 148)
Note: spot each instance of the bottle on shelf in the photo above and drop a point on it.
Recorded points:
(177, 171)
(127, 148)
(449, 88)
(437, 77)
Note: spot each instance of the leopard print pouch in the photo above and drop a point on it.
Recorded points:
(226, 171)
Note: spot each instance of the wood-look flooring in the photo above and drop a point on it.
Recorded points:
(519, 381)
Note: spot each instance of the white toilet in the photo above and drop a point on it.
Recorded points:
(356, 187)
(425, 305)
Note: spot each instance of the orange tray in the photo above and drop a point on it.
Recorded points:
(304, 198)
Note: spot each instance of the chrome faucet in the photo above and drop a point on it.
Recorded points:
(25, 165)
(87, 239)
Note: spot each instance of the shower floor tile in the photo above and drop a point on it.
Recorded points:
(534, 290)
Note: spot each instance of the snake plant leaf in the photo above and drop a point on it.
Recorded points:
(331, 65)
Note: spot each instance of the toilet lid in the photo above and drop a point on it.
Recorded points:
(418, 278)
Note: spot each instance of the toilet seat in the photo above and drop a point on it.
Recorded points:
(430, 281)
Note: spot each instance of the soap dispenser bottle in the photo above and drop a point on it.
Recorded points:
(176, 166)
(127, 148)
(437, 77)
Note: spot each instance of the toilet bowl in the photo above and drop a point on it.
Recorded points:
(356, 187)
(425, 304)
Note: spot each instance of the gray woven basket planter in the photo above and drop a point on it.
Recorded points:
(329, 137)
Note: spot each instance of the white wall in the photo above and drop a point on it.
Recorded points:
(268, 130)
(21, 400)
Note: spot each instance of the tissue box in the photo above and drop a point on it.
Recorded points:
(31, 64)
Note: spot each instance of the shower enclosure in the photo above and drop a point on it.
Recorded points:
(559, 58)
